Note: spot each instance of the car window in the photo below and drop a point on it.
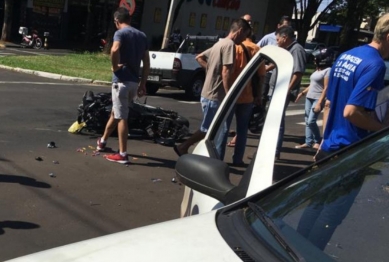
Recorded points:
(337, 211)
(309, 46)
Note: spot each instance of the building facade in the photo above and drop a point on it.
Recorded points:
(67, 20)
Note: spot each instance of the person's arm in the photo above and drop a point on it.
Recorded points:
(302, 93)
(270, 67)
(226, 77)
(202, 60)
(358, 116)
(320, 101)
(115, 56)
(145, 74)
(262, 76)
(296, 78)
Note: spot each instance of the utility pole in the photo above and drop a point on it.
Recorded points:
(169, 23)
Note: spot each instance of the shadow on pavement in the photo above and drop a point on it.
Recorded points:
(23, 180)
(16, 225)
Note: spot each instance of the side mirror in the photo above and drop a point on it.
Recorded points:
(206, 175)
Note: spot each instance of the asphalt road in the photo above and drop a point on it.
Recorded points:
(88, 196)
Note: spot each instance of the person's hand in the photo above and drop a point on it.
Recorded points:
(317, 108)
(298, 97)
(141, 90)
(117, 67)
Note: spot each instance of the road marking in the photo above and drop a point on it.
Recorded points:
(319, 123)
(294, 112)
(189, 102)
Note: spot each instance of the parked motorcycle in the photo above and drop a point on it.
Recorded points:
(32, 40)
(163, 126)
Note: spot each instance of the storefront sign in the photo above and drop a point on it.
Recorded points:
(227, 4)
(50, 3)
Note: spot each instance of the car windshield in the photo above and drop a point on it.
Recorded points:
(337, 211)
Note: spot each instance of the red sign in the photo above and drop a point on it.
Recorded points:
(227, 4)
(129, 4)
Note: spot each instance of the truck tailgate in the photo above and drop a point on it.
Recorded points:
(161, 60)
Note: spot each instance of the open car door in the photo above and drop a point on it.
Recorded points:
(216, 190)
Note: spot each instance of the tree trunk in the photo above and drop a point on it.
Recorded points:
(7, 25)
(348, 36)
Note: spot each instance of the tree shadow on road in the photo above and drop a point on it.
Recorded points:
(23, 180)
(16, 225)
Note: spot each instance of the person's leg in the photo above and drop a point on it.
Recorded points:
(312, 123)
(221, 138)
(229, 121)
(209, 108)
(242, 114)
(326, 111)
(282, 130)
(183, 148)
(308, 116)
(109, 127)
(120, 102)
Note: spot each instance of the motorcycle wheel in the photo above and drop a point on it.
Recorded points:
(38, 43)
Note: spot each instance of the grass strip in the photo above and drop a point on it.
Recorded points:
(85, 65)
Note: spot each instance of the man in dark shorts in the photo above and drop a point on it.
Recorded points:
(128, 50)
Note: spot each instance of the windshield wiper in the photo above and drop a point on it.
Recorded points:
(273, 229)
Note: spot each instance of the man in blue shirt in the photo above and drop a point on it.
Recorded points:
(128, 50)
(354, 82)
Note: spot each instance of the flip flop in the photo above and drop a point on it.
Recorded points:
(176, 150)
(302, 146)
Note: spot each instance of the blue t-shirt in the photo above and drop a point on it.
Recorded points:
(133, 44)
(355, 79)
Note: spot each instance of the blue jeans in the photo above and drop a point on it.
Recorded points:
(282, 128)
(242, 115)
(312, 132)
(210, 108)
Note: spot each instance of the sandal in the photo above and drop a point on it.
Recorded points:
(316, 146)
(302, 146)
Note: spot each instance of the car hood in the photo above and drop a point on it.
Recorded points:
(193, 238)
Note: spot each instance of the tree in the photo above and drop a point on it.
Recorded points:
(7, 25)
(304, 11)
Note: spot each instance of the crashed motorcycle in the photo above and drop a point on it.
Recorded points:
(163, 126)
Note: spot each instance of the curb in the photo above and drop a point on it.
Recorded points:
(56, 76)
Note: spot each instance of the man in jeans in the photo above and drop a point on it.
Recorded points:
(218, 61)
(128, 50)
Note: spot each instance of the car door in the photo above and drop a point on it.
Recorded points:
(262, 172)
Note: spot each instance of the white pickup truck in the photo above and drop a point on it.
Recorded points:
(179, 69)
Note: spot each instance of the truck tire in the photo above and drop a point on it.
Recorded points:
(151, 89)
(194, 87)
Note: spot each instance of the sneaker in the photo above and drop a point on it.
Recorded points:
(118, 158)
(100, 146)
